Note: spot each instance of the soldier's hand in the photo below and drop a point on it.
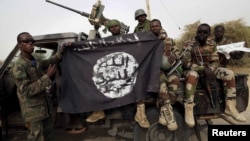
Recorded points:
(51, 70)
(162, 36)
(65, 46)
(172, 59)
(209, 73)
(245, 45)
(188, 43)
(27, 125)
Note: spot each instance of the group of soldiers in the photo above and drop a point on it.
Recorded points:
(199, 57)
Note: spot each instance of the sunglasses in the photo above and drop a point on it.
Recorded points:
(203, 31)
(28, 41)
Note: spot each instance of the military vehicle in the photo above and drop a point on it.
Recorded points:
(119, 121)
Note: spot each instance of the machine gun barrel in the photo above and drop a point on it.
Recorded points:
(71, 9)
(96, 17)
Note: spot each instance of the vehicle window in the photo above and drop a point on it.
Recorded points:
(45, 50)
(43, 53)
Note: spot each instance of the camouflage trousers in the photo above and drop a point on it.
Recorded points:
(227, 76)
(168, 88)
(41, 130)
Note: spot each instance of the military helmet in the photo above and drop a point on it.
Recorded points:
(139, 12)
(113, 22)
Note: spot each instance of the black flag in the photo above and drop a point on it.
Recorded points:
(110, 72)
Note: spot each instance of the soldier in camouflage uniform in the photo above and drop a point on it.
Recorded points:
(143, 22)
(36, 104)
(114, 27)
(202, 58)
(220, 39)
(168, 83)
(143, 25)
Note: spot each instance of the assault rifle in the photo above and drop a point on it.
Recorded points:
(177, 64)
(204, 80)
(96, 17)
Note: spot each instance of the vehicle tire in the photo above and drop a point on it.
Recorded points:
(157, 132)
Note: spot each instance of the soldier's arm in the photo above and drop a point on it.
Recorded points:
(25, 85)
(55, 59)
(186, 53)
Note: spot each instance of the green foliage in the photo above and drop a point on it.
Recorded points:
(235, 30)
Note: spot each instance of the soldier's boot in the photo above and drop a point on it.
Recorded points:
(167, 117)
(231, 110)
(95, 116)
(140, 116)
(189, 113)
(75, 125)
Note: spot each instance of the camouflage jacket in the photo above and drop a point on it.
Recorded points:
(31, 84)
(197, 56)
(144, 27)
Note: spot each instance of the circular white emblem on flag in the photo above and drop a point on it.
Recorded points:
(115, 74)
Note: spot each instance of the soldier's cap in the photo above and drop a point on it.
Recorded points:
(113, 22)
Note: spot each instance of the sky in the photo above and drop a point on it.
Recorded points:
(40, 17)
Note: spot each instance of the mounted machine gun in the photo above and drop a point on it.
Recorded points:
(95, 18)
